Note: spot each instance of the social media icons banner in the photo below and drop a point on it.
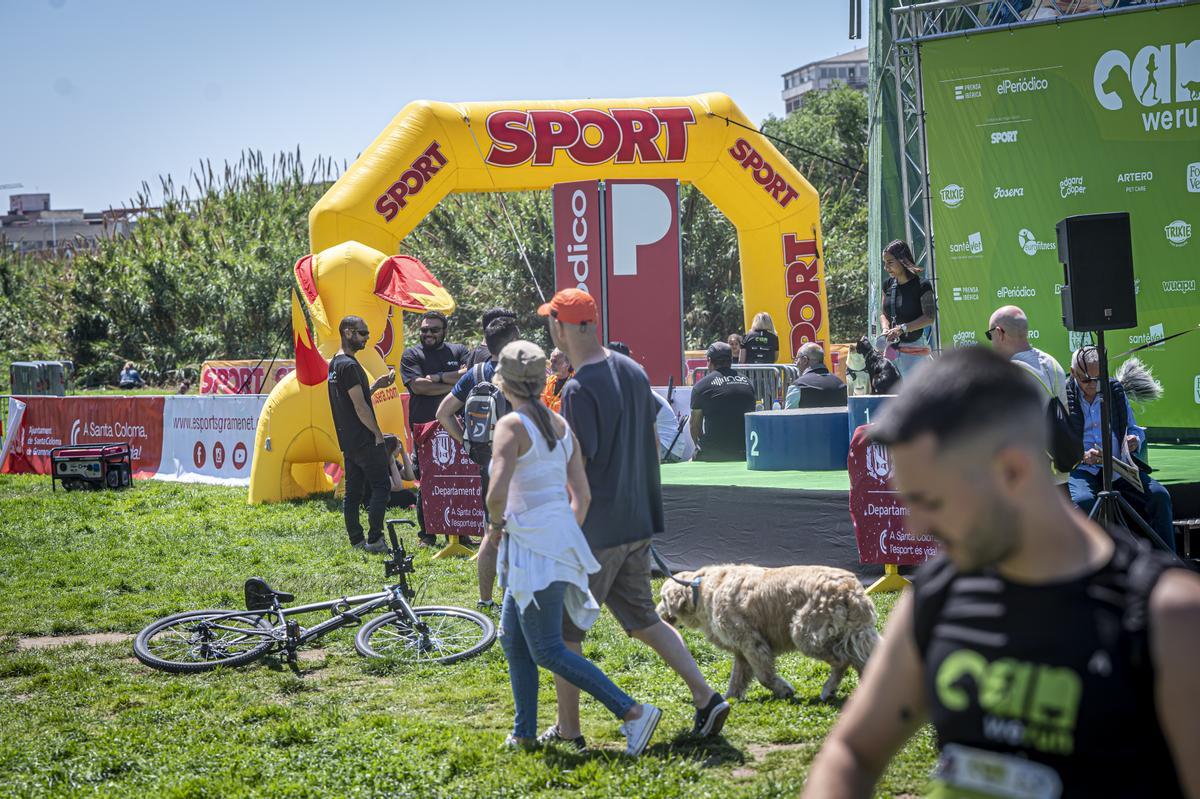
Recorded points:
(1086, 116)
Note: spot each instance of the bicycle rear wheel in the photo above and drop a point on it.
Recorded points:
(441, 635)
(201, 640)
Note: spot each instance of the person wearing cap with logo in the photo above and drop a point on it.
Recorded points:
(609, 406)
(720, 401)
(537, 499)
(909, 308)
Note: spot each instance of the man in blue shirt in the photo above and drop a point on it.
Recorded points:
(1085, 481)
(499, 332)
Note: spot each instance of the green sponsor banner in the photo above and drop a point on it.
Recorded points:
(1087, 116)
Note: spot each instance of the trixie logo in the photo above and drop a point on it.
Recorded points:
(1069, 187)
(1026, 83)
(1006, 292)
(1193, 177)
(804, 298)
(953, 195)
(1003, 193)
(411, 181)
(764, 174)
(1004, 137)
(1029, 243)
(590, 137)
(1178, 232)
(1156, 75)
(1178, 286)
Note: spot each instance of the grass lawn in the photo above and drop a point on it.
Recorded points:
(90, 720)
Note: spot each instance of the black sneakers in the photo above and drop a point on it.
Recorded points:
(711, 718)
(552, 736)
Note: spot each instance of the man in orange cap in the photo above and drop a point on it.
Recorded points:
(609, 406)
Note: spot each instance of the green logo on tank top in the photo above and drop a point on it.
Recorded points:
(1024, 704)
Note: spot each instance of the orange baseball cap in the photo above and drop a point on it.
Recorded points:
(571, 306)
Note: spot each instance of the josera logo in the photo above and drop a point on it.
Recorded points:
(1156, 75)
(426, 165)
(804, 299)
(590, 136)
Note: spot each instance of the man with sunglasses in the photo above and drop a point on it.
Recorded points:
(1085, 481)
(364, 453)
(429, 370)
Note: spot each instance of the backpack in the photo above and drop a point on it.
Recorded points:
(485, 404)
(1066, 443)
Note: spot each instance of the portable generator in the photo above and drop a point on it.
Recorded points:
(91, 466)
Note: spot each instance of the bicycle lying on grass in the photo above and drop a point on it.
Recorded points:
(201, 640)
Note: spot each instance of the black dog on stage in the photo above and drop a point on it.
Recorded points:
(885, 377)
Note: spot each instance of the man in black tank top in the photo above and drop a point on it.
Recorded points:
(1053, 659)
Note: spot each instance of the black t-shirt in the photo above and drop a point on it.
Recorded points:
(725, 397)
(1056, 676)
(416, 362)
(761, 346)
(480, 354)
(344, 374)
(907, 303)
(610, 408)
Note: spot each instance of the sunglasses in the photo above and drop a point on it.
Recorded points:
(988, 333)
(363, 333)
(431, 330)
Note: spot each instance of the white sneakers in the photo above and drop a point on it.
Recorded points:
(638, 731)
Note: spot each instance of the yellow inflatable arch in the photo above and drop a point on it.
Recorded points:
(431, 149)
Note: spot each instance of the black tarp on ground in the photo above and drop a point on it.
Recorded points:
(764, 526)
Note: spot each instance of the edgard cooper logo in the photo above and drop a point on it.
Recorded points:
(965, 338)
(1178, 232)
(1029, 243)
(1069, 187)
(954, 194)
(973, 246)
(1156, 75)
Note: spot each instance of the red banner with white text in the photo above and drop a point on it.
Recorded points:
(880, 518)
(451, 489)
(579, 242)
(243, 377)
(50, 422)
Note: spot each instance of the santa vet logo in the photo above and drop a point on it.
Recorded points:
(1029, 243)
(971, 247)
(443, 449)
(1156, 75)
(965, 293)
(1069, 187)
(1157, 333)
(878, 464)
(1178, 232)
(953, 195)
(1193, 177)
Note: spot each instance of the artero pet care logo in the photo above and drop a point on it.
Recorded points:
(953, 195)
(1029, 243)
(1162, 77)
(1178, 232)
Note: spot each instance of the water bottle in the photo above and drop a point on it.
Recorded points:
(776, 406)
(758, 405)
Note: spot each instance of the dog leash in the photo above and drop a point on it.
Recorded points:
(693, 584)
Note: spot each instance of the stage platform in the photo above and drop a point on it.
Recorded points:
(723, 512)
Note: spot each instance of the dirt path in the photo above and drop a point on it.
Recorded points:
(52, 641)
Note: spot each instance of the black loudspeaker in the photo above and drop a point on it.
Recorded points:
(1097, 258)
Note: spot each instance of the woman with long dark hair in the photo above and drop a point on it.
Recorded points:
(909, 310)
(537, 499)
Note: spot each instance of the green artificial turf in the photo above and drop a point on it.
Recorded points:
(90, 720)
(735, 473)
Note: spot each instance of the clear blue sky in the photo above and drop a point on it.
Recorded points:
(99, 96)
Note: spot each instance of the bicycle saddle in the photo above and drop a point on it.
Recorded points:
(259, 594)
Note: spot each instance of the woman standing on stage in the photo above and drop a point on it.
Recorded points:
(909, 310)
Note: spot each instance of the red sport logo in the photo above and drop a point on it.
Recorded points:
(589, 136)
(763, 173)
(424, 167)
(803, 291)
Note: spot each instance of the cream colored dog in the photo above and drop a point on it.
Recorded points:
(758, 613)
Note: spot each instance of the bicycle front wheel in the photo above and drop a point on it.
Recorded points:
(441, 635)
(201, 640)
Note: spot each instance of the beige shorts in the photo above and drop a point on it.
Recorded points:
(623, 584)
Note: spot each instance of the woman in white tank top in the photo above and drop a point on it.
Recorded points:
(537, 499)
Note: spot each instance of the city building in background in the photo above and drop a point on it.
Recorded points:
(31, 225)
(848, 68)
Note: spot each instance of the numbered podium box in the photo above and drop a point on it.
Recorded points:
(805, 439)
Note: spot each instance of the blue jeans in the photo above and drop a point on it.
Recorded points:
(1154, 505)
(533, 638)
